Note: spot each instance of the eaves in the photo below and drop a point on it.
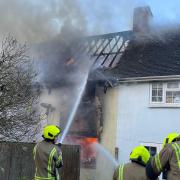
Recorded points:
(148, 79)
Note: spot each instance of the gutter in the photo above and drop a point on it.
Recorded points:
(149, 79)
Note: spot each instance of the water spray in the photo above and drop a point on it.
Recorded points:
(106, 154)
(77, 102)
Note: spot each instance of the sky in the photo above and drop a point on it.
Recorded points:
(39, 20)
(119, 13)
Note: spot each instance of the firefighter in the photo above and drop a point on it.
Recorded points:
(135, 170)
(47, 155)
(168, 159)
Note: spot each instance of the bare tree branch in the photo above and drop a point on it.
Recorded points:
(18, 95)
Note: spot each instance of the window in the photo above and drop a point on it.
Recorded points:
(173, 92)
(152, 150)
(165, 93)
(172, 96)
(157, 92)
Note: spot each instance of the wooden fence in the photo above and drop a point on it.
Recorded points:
(16, 161)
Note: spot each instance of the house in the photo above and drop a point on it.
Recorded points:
(147, 91)
(141, 104)
(133, 93)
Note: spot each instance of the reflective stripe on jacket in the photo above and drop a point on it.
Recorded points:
(169, 157)
(130, 171)
(121, 169)
(48, 158)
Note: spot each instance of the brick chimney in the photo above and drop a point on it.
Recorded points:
(141, 20)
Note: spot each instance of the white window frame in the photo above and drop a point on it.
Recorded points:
(158, 148)
(153, 144)
(163, 103)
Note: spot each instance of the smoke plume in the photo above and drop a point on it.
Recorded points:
(36, 21)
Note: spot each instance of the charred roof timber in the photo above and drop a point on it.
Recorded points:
(104, 50)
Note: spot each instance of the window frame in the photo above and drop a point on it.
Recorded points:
(158, 147)
(165, 89)
(151, 88)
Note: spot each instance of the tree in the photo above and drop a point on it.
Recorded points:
(18, 95)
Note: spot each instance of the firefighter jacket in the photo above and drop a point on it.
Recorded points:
(48, 158)
(168, 160)
(130, 171)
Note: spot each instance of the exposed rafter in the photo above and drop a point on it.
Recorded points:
(105, 49)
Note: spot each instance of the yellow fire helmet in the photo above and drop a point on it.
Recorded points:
(170, 138)
(51, 132)
(140, 154)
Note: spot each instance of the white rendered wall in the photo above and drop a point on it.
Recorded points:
(53, 99)
(104, 166)
(137, 122)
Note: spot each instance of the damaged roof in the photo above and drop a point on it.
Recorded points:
(106, 49)
(152, 56)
